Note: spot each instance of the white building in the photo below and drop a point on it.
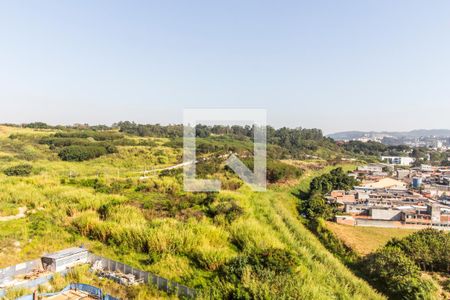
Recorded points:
(426, 168)
(398, 160)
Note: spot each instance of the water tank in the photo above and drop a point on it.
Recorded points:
(416, 182)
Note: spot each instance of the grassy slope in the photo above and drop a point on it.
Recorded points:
(320, 275)
(270, 220)
(365, 240)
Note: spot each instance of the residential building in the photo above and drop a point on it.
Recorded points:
(398, 160)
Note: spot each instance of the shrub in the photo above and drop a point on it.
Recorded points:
(229, 209)
(63, 142)
(428, 248)
(19, 170)
(261, 264)
(82, 153)
(275, 170)
(396, 274)
(277, 260)
(96, 135)
(316, 207)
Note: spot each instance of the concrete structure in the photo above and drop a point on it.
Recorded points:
(385, 214)
(346, 220)
(341, 196)
(426, 168)
(64, 259)
(398, 160)
(371, 168)
(403, 173)
(408, 216)
(435, 211)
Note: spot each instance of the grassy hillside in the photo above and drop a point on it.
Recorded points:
(235, 244)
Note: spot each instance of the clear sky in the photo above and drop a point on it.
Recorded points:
(335, 65)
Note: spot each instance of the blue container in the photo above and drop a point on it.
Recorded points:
(416, 182)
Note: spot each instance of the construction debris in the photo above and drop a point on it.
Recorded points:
(117, 276)
(36, 273)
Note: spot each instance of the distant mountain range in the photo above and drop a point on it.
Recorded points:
(418, 133)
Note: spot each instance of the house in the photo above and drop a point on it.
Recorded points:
(398, 160)
(426, 168)
(341, 196)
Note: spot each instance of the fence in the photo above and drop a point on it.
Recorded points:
(19, 269)
(8, 274)
(92, 290)
(159, 282)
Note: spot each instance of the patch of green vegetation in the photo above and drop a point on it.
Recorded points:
(396, 274)
(236, 243)
(19, 170)
(8, 209)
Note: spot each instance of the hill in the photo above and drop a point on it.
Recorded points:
(232, 244)
(350, 135)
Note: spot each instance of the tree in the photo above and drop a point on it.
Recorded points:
(336, 179)
(428, 248)
(316, 207)
(395, 273)
(81, 153)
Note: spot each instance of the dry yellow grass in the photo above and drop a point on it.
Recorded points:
(364, 240)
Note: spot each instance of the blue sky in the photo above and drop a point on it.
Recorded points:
(335, 65)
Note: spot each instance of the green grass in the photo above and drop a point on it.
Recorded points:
(320, 275)
(158, 227)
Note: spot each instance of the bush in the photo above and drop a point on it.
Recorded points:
(276, 171)
(19, 170)
(279, 261)
(392, 271)
(265, 264)
(230, 210)
(315, 206)
(64, 142)
(96, 135)
(82, 153)
(428, 248)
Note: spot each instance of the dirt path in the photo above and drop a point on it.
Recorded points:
(21, 214)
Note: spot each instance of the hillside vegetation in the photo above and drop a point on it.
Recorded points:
(235, 244)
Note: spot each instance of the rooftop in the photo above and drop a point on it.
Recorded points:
(65, 252)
